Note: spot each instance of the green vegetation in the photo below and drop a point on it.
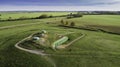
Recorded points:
(96, 49)
(76, 15)
(16, 15)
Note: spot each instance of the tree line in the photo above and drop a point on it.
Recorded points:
(26, 18)
(69, 16)
(66, 23)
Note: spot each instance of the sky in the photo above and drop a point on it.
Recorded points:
(60, 5)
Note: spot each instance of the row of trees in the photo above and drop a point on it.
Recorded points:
(0, 16)
(71, 15)
(100, 12)
(44, 16)
(25, 18)
(66, 23)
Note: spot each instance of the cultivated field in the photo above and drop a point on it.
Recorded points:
(96, 49)
(16, 15)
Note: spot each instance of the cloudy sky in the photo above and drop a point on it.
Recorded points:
(60, 5)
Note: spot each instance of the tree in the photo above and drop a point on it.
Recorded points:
(23, 17)
(9, 18)
(77, 15)
(62, 22)
(43, 16)
(72, 24)
(50, 16)
(74, 15)
(69, 16)
(66, 23)
(0, 15)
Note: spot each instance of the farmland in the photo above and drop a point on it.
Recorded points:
(16, 15)
(96, 49)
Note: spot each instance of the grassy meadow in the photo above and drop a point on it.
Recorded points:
(16, 15)
(96, 49)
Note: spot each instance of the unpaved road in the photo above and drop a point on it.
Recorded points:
(12, 26)
(35, 52)
(83, 35)
(64, 46)
(38, 52)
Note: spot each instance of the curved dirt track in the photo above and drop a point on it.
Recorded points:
(64, 46)
(35, 52)
(83, 35)
(38, 52)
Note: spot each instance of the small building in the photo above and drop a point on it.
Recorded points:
(36, 38)
(44, 31)
(59, 42)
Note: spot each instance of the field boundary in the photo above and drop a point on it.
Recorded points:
(91, 29)
(83, 35)
(38, 52)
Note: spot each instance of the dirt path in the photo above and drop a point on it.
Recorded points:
(38, 52)
(83, 35)
(64, 46)
(12, 26)
(35, 52)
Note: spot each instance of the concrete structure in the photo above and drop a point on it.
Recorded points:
(44, 31)
(59, 42)
(36, 38)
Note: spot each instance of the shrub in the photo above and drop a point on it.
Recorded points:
(50, 16)
(43, 16)
(62, 22)
(74, 15)
(77, 15)
(23, 18)
(10, 18)
(72, 24)
(66, 23)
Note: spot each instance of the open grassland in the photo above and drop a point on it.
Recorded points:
(105, 22)
(16, 15)
(96, 49)
(110, 20)
(8, 23)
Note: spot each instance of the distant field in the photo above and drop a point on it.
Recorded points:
(96, 49)
(112, 20)
(17, 15)
(105, 22)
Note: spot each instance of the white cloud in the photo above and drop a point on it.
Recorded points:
(61, 8)
(87, 5)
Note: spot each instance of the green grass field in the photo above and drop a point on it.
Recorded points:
(96, 49)
(16, 15)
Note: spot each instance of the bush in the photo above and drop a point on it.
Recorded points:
(72, 24)
(23, 18)
(66, 23)
(77, 15)
(62, 22)
(74, 15)
(50, 16)
(10, 18)
(43, 16)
